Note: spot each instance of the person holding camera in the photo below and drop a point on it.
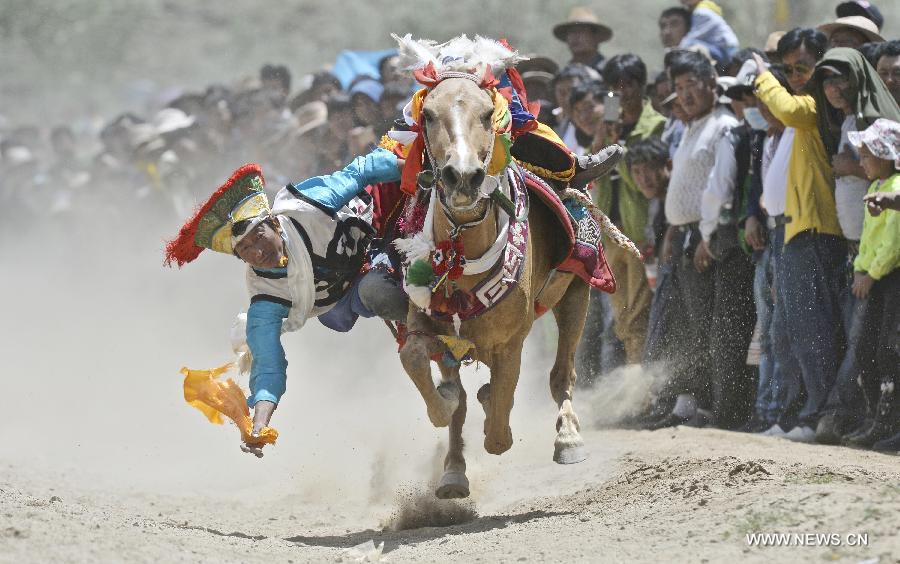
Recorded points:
(622, 115)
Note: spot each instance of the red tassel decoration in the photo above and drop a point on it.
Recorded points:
(182, 249)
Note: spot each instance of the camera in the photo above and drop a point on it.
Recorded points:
(612, 108)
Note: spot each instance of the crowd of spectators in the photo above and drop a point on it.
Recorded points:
(769, 297)
(164, 161)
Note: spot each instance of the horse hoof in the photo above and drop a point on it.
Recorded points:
(499, 445)
(569, 454)
(448, 394)
(453, 485)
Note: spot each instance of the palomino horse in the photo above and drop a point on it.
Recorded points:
(459, 135)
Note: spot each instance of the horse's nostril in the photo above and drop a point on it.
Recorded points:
(450, 175)
(476, 179)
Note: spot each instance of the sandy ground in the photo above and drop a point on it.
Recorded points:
(682, 495)
(102, 461)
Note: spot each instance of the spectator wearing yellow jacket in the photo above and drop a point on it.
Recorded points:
(811, 279)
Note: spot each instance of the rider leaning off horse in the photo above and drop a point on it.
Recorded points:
(311, 253)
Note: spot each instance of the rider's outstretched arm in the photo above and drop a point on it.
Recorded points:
(333, 191)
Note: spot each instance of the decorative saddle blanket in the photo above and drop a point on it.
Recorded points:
(431, 269)
(585, 256)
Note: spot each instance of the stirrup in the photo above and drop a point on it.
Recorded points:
(592, 166)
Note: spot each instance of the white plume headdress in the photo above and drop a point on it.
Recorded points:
(460, 54)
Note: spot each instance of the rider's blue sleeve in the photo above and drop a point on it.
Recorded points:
(268, 372)
(333, 191)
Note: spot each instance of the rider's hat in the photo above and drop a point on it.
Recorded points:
(241, 198)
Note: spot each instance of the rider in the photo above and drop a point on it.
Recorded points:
(303, 255)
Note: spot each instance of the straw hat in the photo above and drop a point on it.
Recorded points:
(772, 41)
(582, 16)
(857, 23)
(310, 116)
(537, 63)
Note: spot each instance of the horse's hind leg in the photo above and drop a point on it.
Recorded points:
(570, 314)
(453, 483)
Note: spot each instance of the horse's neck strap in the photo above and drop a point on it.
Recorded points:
(458, 74)
(457, 228)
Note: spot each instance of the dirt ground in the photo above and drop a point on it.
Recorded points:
(680, 495)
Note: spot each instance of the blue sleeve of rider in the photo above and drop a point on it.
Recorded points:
(333, 191)
(268, 372)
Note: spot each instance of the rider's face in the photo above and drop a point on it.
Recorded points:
(263, 247)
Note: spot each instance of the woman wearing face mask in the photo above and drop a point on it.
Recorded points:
(850, 96)
(763, 132)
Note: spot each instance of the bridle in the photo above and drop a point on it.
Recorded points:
(438, 170)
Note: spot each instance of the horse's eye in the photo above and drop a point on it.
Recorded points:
(428, 114)
(487, 116)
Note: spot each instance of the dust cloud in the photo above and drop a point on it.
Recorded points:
(622, 394)
(96, 330)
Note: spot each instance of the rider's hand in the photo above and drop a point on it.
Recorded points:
(262, 414)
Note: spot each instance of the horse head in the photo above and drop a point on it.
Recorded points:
(458, 119)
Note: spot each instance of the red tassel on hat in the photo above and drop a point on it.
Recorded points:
(182, 249)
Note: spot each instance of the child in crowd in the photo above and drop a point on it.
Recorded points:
(877, 278)
(710, 30)
(650, 166)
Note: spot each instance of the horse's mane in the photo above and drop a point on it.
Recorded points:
(460, 54)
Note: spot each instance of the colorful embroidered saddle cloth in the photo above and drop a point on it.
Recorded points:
(582, 256)
(502, 277)
(585, 256)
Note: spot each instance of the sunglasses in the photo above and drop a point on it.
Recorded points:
(253, 237)
(799, 68)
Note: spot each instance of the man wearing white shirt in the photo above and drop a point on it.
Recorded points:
(784, 384)
(711, 271)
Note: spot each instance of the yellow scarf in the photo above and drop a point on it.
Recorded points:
(709, 5)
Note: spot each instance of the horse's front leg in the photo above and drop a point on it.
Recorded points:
(453, 483)
(440, 402)
(497, 398)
